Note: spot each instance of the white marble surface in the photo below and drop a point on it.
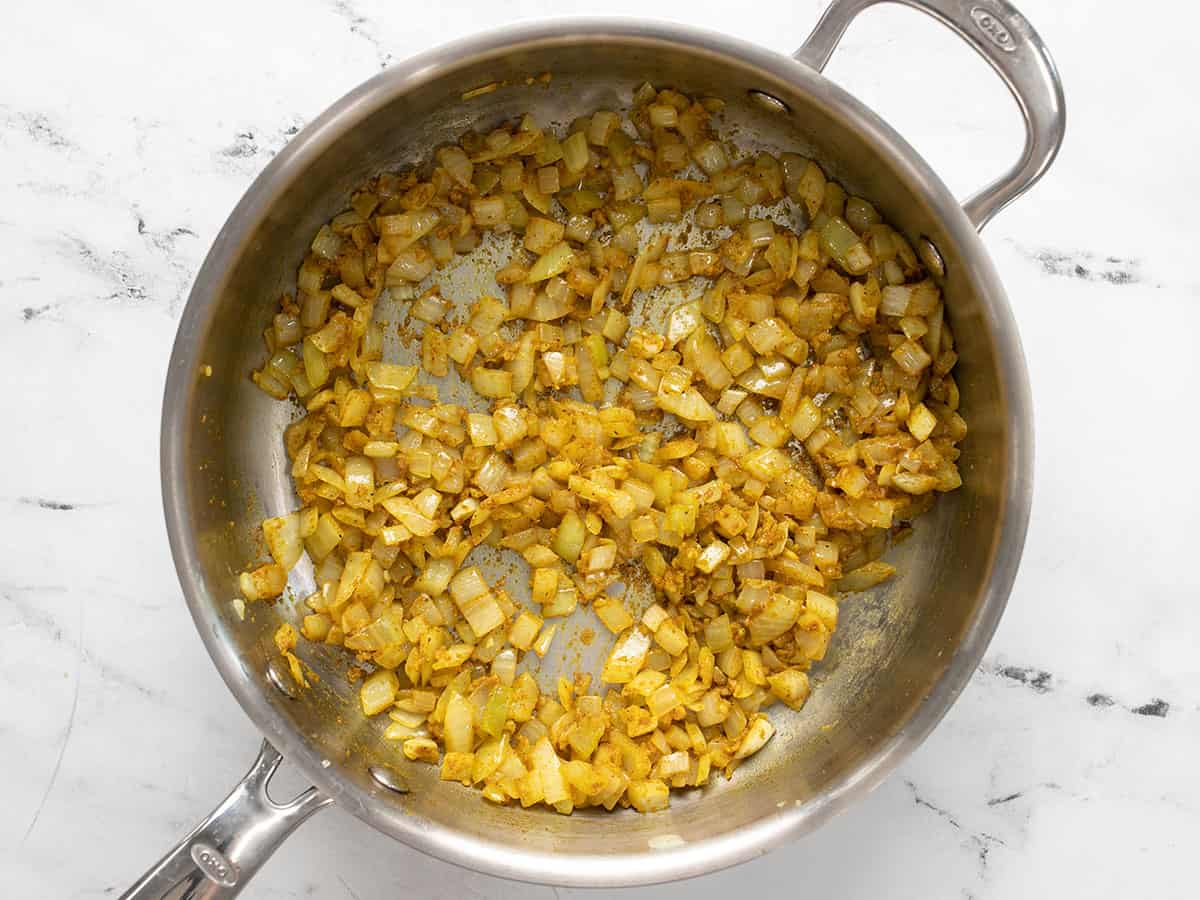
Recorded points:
(129, 130)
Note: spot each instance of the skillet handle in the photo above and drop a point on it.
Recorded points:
(224, 852)
(1003, 37)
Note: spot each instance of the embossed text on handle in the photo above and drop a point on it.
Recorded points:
(993, 29)
(214, 864)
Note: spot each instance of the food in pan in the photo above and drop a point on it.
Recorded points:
(705, 370)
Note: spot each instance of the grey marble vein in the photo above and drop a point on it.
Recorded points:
(66, 738)
(363, 27)
(36, 126)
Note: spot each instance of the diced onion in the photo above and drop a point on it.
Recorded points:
(283, 539)
(627, 657)
(742, 456)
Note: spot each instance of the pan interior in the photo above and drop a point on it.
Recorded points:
(893, 644)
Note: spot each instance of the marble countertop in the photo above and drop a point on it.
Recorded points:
(127, 133)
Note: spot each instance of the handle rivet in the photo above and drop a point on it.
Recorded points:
(769, 102)
(931, 257)
(280, 681)
(389, 778)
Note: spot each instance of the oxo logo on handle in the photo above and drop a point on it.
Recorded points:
(215, 866)
(993, 29)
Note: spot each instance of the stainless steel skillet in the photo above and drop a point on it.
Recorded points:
(902, 654)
